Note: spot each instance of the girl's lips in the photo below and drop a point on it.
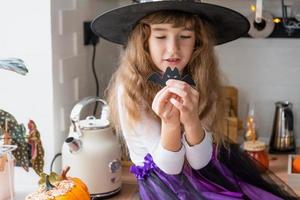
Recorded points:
(173, 60)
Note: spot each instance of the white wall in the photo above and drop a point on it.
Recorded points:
(72, 69)
(26, 34)
(48, 36)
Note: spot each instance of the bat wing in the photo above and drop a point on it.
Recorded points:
(156, 78)
(188, 79)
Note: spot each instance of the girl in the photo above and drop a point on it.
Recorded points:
(173, 131)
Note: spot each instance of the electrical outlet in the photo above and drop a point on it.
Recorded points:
(89, 37)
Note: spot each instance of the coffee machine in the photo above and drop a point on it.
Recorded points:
(283, 138)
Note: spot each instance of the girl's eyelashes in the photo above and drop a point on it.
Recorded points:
(160, 37)
(182, 37)
(185, 36)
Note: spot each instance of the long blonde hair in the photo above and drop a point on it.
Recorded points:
(136, 65)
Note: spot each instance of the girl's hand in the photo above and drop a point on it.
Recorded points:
(187, 103)
(162, 106)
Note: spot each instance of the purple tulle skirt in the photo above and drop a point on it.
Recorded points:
(231, 174)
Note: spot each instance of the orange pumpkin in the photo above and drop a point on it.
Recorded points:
(296, 164)
(56, 187)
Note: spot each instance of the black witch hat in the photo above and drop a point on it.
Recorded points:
(115, 25)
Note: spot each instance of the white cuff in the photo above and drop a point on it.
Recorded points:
(200, 154)
(169, 162)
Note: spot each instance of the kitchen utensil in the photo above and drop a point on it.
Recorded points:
(283, 139)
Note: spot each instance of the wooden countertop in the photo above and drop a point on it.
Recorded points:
(129, 189)
(277, 164)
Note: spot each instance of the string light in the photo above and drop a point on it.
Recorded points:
(253, 8)
(276, 20)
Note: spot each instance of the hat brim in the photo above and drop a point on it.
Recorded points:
(115, 25)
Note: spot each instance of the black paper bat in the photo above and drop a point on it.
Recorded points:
(170, 74)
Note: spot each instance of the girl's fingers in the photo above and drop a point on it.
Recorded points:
(160, 104)
(157, 98)
(177, 83)
(163, 103)
(160, 93)
(183, 101)
(167, 109)
(175, 102)
(179, 92)
(185, 98)
(181, 85)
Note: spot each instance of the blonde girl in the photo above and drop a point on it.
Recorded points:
(173, 132)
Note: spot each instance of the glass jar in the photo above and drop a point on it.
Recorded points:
(257, 150)
(7, 171)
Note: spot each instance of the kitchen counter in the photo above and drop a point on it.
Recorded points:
(129, 189)
(25, 182)
(279, 165)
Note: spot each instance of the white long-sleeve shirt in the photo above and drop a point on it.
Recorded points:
(144, 138)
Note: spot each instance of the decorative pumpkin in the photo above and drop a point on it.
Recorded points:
(296, 164)
(56, 187)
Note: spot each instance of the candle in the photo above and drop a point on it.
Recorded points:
(258, 13)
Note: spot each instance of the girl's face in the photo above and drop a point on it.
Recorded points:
(171, 46)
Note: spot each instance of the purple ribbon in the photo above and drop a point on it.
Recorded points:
(141, 172)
